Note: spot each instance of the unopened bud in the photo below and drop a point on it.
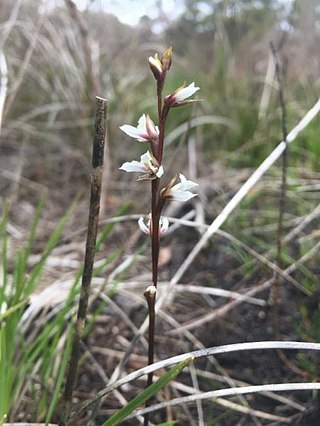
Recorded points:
(151, 289)
(150, 292)
(156, 67)
(166, 59)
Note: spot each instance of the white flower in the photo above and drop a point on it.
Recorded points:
(180, 191)
(146, 228)
(147, 165)
(179, 96)
(146, 131)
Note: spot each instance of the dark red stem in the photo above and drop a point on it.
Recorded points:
(151, 300)
(156, 208)
(155, 217)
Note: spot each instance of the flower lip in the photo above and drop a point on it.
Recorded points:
(180, 191)
(147, 228)
(147, 165)
(146, 130)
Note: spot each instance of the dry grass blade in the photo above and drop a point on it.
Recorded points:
(304, 222)
(274, 387)
(268, 84)
(10, 23)
(34, 37)
(223, 402)
(181, 288)
(29, 424)
(238, 347)
(232, 405)
(3, 85)
(280, 398)
(246, 410)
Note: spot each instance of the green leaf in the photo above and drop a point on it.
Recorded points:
(60, 378)
(147, 394)
(12, 309)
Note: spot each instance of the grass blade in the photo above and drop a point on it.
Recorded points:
(146, 394)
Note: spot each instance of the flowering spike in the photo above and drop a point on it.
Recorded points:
(147, 165)
(179, 96)
(180, 191)
(146, 131)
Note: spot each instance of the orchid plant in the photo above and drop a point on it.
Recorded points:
(151, 168)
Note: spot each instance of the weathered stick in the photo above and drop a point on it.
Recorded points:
(96, 179)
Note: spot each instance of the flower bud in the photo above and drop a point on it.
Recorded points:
(156, 67)
(166, 59)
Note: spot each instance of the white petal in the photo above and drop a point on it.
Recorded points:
(134, 132)
(156, 63)
(184, 184)
(133, 166)
(145, 158)
(160, 172)
(144, 228)
(181, 196)
(142, 123)
(164, 225)
(185, 93)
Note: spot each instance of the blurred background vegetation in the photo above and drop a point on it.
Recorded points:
(59, 58)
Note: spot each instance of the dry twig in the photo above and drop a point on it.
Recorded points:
(96, 179)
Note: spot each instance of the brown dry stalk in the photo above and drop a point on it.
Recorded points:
(96, 179)
(275, 290)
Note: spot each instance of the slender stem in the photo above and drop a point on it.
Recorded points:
(162, 123)
(151, 300)
(151, 307)
(96, 179)
(155, 217)
(159, 96)
(275, 293)
(156, 207)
